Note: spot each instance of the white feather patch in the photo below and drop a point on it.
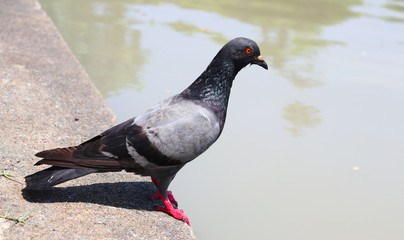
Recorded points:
(139, 159)
(108, 154)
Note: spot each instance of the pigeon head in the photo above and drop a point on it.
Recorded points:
(212, 88)
(242, 51)
(214, 84)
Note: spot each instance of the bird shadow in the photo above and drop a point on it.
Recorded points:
(129, 195)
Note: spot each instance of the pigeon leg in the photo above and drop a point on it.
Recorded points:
(170, 197)
(169, 193)
(176, 213)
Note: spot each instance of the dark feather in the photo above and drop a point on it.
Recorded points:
(54, 175)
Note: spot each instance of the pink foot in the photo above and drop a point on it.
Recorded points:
(176, 213)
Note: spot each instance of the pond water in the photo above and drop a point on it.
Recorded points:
(312, 148)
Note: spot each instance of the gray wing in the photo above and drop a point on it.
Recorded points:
(180, 129)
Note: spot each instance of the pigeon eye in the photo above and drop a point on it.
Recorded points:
(248, 51)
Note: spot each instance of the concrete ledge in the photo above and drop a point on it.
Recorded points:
(47, 100)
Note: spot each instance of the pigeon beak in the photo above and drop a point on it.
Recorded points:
(260, 61)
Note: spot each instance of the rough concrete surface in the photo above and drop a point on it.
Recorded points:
(46, 101)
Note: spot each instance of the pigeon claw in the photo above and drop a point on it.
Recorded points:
(176, 213)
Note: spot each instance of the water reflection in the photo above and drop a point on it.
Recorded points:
(397, 6)
(301, 116)
(99, 36)
(190, 30)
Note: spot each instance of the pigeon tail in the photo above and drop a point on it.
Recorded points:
(53, 176)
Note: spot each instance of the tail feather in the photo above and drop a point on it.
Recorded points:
(53, 176)
(76, 157)
(57, 153)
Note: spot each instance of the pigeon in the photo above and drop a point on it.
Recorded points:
(159, 142)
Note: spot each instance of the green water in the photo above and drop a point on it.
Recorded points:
(312, 149)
